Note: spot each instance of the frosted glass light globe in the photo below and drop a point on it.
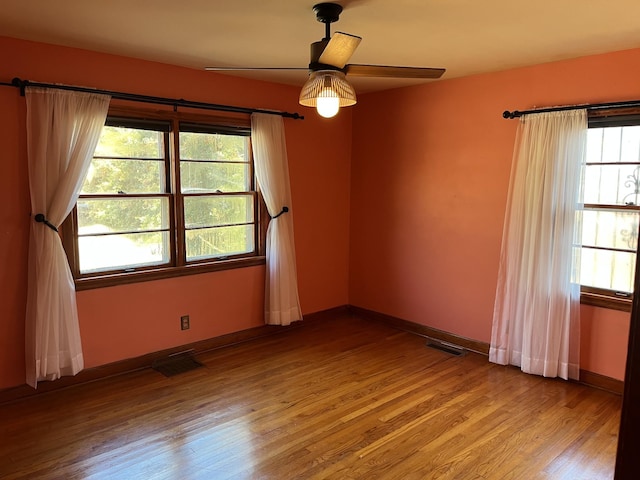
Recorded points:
(327, 103)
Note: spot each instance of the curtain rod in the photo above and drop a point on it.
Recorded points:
(588, 106)
(133, 97)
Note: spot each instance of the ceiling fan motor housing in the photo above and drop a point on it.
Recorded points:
(327, 12)
(316, 50)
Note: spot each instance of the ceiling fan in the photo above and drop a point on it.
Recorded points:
(327, 88)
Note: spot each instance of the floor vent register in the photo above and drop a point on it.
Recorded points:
(176, 364)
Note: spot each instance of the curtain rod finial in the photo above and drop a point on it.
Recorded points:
(507, 114)
(17, 82)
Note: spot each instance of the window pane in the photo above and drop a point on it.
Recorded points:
(214, 146)
(219, 242)
(610, 229)
(612, 184)
(211, 177)
(120, 251)
(607, 269)
(611, 144)
(111, 175)
(122, 214)
(130, 142)
(594, 145)
(209, 211)
(630, 144)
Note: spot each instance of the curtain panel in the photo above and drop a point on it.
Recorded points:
(63, 129)
(536, 312)
(282, 305)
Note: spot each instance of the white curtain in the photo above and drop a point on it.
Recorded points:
(63, 128)
(282, 305)
(536, 313)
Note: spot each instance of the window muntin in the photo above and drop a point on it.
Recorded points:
(611, 206)
(165, 194)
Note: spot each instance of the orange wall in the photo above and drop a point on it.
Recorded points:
(430, 174)
(604, 337)
(126, 321)
(400, 213)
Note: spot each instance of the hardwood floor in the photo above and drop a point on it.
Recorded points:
(344, 398)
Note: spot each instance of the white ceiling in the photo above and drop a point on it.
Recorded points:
(464, 36)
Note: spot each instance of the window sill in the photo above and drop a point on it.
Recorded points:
(605, 301)
(114, 279)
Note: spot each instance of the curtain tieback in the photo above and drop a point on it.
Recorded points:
(40, 218)
(284, 210)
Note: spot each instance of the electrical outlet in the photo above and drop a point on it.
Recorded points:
(184, 322)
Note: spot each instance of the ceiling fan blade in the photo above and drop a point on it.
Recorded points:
(239, 69)
(339, 49)
(354, 70)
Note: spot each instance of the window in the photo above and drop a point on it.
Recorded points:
(216, 183)
(163, 198)
(611, 208)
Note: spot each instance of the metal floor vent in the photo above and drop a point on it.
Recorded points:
(447, 348)
(176, 364)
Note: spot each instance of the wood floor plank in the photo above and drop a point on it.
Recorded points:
(340, 398)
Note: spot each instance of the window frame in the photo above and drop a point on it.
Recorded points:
(601, 297)
(177, 266)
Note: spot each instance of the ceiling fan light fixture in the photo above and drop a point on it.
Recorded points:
(327, 91)
(327, 103)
